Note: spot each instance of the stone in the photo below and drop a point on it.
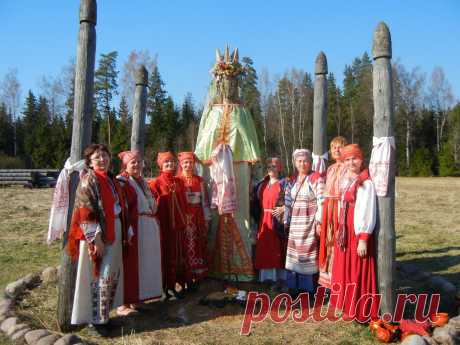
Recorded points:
(430, 341)
(3, 317)
(8, 323)
(445, 335)
(68, 339)
(50, 275)
(32, 280)
(16, 288)
(33, 336)
(414, 339)
(5, 305)
(48, 340)
(18, 327)
(409, 268)
(455, 321)
(18, 337)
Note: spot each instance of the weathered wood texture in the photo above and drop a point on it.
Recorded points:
(383, 127)
(320, 106)
(81, 137)
(139, 111)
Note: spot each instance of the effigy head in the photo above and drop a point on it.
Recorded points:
(227, 72)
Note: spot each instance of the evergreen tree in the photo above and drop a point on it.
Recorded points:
(105, 88)
(171, 125)
(250, 94)
(6, 131)
(156, 101)
(188, 125)
(122, 137)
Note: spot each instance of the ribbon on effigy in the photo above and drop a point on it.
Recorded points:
(223, 180)
(320, 162)
(379, 165)
(60, 206)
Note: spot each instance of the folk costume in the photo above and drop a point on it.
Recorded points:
(271, 239)
(352, 275)
(169, 192)
(98, 208)
(304, 201)
(330, 222)
(142, 257)
(227, 137)
(198, 214)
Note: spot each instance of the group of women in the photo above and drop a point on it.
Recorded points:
(316, 229)
(135, 240)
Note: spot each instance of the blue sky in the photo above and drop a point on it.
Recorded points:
(39, 37)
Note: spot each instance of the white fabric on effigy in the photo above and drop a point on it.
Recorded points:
(59, 208)
(223, 180)
(379, 165)
(320, 162)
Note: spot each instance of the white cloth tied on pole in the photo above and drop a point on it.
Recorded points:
(223, 180)
(379, 165)
(320, 162)
(60, 207)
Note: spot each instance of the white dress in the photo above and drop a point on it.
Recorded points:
(149, 247)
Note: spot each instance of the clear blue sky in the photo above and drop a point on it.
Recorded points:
(39, 37)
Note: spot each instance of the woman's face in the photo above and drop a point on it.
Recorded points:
(303, 165)
(188, 165)
(336, 148)
(169, 165)
(272, 170)
(353, 164)
(100, 161)
(133, 168)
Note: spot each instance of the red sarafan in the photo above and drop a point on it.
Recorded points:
(414, 327)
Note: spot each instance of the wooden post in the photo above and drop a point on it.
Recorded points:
(140, 107)
(320, 112)
(81, 137)
(383, 127)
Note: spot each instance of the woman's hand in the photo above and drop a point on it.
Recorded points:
(278, 211)
(99, 247)
(318, 229)
(362, 248)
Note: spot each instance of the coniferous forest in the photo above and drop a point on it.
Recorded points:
(36, 125)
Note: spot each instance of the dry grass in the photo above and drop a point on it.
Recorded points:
(428, 230)
(427, 235)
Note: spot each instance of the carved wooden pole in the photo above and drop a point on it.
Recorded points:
(320, 114)
(81, 137)
(140, 107)
(383, 127)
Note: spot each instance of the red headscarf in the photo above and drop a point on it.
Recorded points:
(127, 156)
(351, 150)
(182, 156)
(163, 157)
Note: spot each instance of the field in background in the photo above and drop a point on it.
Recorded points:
(428, 235)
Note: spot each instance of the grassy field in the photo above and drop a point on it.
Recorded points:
(428, 235)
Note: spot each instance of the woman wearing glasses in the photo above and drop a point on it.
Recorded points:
(95, 239)
(142, 258)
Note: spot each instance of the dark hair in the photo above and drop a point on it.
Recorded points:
(93, 148)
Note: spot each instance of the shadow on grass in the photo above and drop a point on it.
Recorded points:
(430, 251)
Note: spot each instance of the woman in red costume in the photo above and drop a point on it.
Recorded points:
(353, 271)
(330, 221)
(142, 258)
(169, 192)
(268, 210)
(198, 216)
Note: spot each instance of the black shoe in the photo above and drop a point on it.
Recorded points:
(99, 330)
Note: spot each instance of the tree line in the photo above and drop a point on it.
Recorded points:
(37, 134)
